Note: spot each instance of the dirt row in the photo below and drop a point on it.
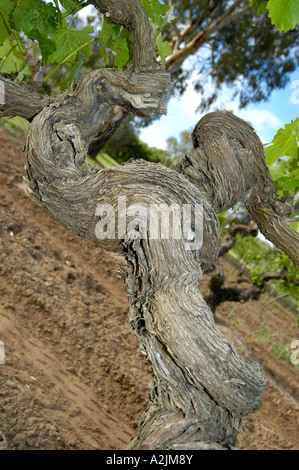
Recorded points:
(73, 377)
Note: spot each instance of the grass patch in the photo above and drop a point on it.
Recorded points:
(279, 349)
(14, 125)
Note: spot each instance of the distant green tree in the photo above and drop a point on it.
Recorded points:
(126, 144)
(232, 45)
(177, 148)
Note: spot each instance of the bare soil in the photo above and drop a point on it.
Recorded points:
(73, 377)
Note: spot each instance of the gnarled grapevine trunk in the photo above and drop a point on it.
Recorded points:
(201, 388)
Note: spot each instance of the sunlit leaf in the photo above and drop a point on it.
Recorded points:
(284, 143)
(12, 61)
(121, 47)
(69, 40)
(6, 8)
(71, 5)
(155, 10)
(37, 23)
(74, 75)
(259, 6)
(284, 14)
(163, 48)
(279, 170)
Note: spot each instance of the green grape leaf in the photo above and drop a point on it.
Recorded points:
(293, 163)
(36, 22)
(12, 61)
(25, 16)
(109, 32)
(169, 17)
(105, 57)
(25, 72)
(111, 37)
(285, 143)
(284, 14)
(121, 47)
(47, 47)
(156, 11)
(295, 173)
(70, 40)
(6, 8)
(256, 277)
(163, 48)
(289, 184)
(48, 19)
(295, 226)
(71, 5)
(74, 75)
(279, 170)
(259, 6)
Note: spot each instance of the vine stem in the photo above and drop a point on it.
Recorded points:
(270, 302)
(59, 13)
(5, 57)
(67, 13)
(17, 38)
(5, 23)
(67, 57)
(15, 33)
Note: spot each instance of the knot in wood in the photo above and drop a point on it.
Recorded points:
(119, 16)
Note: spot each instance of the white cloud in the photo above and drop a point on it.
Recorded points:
(260, 117)
(182, 115)
(86, 11)
(156, 134)
(264, 121)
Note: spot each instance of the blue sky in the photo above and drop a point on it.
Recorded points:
(266, 117)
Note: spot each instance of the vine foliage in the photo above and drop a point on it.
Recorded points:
(36, 34)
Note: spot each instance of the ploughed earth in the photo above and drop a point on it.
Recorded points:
(73, 377)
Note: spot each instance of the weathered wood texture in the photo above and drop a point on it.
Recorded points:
(228, 163)
(201, 389)
(20, 100)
